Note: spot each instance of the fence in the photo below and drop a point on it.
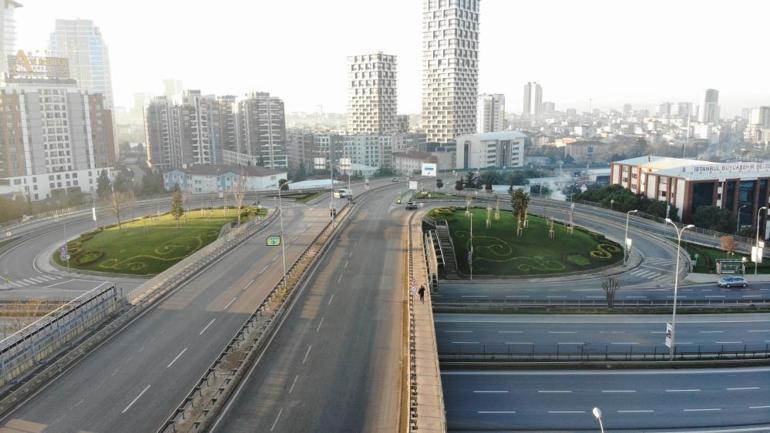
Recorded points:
(23, 350)
(593, 304)
(603, 352)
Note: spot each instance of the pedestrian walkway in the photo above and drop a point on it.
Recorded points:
(36, 281)
(429, 407)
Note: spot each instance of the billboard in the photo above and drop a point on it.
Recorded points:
(429, 169)
(413, 185)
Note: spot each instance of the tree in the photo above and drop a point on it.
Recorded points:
(439, 183)
(470, 180)
(714, 218)
(152, 183)
(610, 287)
(103, 185)
(728, 244)
(520, 203)
(284, 184)
(459, 185)
(239, 192)
(490, 178)
(177, 208)
(118, 202)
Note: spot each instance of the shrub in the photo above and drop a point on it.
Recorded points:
(87, 258)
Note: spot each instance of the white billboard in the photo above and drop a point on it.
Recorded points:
(429, 169)
(413, 185)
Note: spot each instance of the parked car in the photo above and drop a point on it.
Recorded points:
(411, 205)
(395, 179)
(732, 282)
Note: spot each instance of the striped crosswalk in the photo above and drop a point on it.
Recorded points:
(37, 280)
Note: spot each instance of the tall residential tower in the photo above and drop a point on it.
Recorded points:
(491, 113)
(450, 67)
(710, 111)
(373, 101)
(533, 99)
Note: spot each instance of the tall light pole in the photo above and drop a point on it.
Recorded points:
(626, 240)
(598, 415)
(283, 244)
(756, 244)
(738, 225)
(470, 257)
(676, 281)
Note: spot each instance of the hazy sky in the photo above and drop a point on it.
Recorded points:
(612, 51)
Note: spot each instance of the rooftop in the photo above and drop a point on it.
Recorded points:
(501, 135)
(216, 170)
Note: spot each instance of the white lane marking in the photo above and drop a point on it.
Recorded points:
(630, 343)
(293, 384)
(759, 330)
(320, 322)
(263, 270)
(495, 412)
(517, 296)
(573, 343)
(636, 297)
(176, 358)
(248, 284)
(566, 411)
(636, 411)
(207, 326)
(562, 332)
(555, 297)
(339, 278)
(683, 390)
(331, 299)
(509, 332)
(744, 388)
(490, 392)
(712, 409)
(520, 343)
(760, 407)
(711, 332)
(474, 296)
(546, 391)
(230, 303)
(729, 342)
(458, 332)
(276, 419)
(135, 399)
(307, 353)
(346, 264)
(714, 296)
(618, 391)
(465, 342)
(751, 296)
(275, 257)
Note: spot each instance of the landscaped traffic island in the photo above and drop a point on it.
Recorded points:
(498, 251)
(149, 245)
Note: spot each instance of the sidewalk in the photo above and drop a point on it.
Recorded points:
(429, 413)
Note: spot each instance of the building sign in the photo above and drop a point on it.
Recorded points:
(737, 168)
(273, 241)
(429, 169)
(22, 66)
(726, 266)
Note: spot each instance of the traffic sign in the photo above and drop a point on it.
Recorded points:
(273, 241)
(63, 253)
(669, 334)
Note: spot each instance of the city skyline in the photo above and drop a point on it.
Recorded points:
(628, 67)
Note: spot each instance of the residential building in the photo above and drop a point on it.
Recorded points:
(374, 151)
(207, 179)
(758, 128)
(548, 107)
(202, 132)
(689, 184)
(227, 120)
(533, 99)
(164, 135)
(402, 124)
(55, 137)
(299, 149)
(330, 147)
(173, 90)
(450, 68)
(684, 110)
(491, 113)
(262, 129)
(664, 110)
(373, 100)
(710, 112)
(81, 42)
(490, 150)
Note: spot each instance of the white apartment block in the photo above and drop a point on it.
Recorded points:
(490, 150)
(7, 32)
(491, 113)
(374, 151)
(533, 99)
(373, 101)
(450, 68)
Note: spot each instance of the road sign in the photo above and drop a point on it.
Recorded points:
(756, 254)
(63, 253)
(629, 241)
(669, 334)
(273, 241)
(93, 213)
(413, 185)
(429, 169)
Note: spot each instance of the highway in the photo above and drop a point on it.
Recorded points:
(335, 364)
(630, 400)
(477, 333)
(134, 380)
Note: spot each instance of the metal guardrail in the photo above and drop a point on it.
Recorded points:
(22, 351)
(411, 330)
(214, 388)
(604, 352)
(493, 303)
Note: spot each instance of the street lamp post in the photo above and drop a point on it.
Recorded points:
(626, 240)
(283, 244)
(738, 225)
(612, 203)
(470, 257)
(679, 233)
(598, 415)
(756, 244)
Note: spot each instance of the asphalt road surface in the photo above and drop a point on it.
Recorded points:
(631, 400)
(489, 333)
(334, 365)
(136, 379)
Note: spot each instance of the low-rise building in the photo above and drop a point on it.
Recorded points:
(206, 179)
(410, 162)
(490, 150)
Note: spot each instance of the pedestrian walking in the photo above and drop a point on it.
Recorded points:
(422, 293)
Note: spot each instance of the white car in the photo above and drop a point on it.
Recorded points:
(732, 282)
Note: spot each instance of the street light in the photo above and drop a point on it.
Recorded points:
(676, 281)
(612, 203)
(759, 250)
(598, 415)
(738, 226)
(283, 244)
(626, 240)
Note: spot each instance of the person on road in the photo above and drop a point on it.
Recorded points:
(422, 293)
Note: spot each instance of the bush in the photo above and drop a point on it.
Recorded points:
(87, 258)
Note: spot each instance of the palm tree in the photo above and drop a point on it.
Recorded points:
(520, 203)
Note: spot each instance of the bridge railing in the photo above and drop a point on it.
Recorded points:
(525, 352)
(23, 350)
(492, 303)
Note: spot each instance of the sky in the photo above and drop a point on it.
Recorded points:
(608, 52)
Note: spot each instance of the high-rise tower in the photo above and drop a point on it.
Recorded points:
(450, 67)
(373, 99)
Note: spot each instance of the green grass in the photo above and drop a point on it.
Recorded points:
(707, 259)
(146, 246)
(498, 252)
